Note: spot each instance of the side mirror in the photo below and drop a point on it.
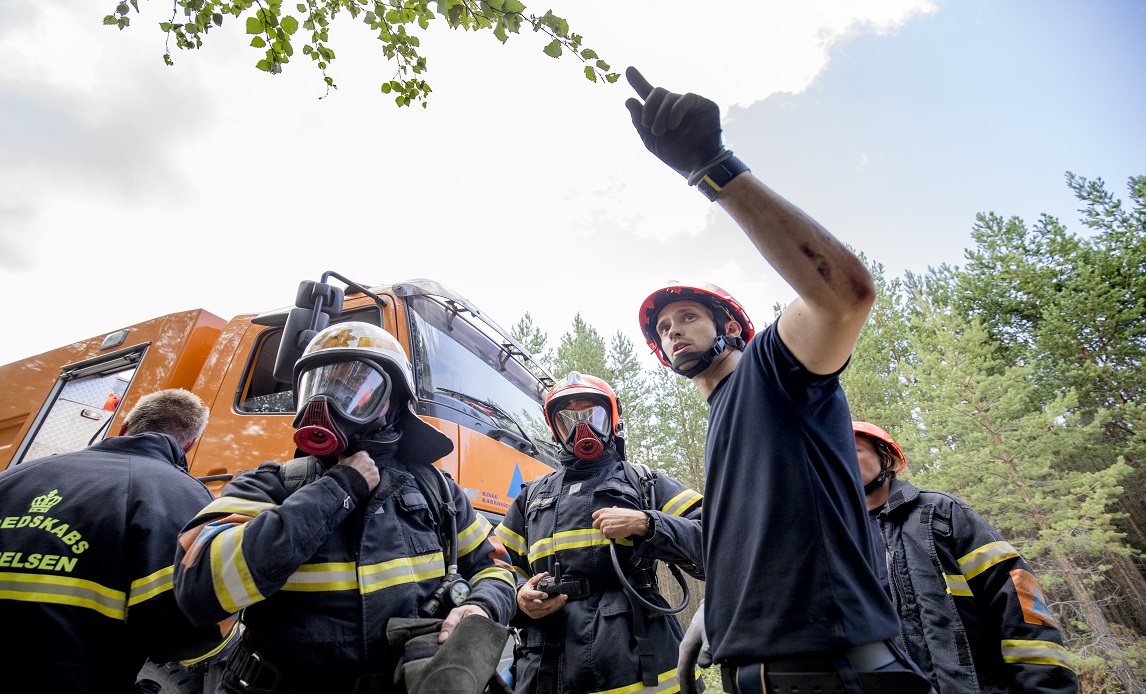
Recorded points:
(315, 304)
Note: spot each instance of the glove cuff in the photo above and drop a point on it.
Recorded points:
(712, 179)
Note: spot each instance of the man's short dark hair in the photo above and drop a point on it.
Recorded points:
(174, 411)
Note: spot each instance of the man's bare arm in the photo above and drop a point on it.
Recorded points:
(835, 289)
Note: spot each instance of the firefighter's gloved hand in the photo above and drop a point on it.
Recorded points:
(683, 130)
(693, 653)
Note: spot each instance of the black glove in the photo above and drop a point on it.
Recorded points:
(683, 131)
(693, 652)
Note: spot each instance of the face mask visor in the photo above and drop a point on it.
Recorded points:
(582, 412)
(357, 390)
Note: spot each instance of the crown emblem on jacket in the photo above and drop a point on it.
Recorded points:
(44, 503)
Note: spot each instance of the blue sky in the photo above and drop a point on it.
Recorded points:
(129, 189)
(978, 107)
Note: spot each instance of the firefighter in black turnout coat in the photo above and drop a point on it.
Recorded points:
(586, 634)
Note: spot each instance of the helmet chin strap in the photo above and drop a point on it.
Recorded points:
(703, 359)
(883, 476)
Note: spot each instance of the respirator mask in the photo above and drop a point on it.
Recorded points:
(337, 401)
(583, 427)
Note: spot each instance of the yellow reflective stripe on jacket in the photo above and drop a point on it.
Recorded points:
(149, 586)
(64, 591)
(234, 586)
(957, 585)
(681, 502)
(521, 572)
(311, 578)
(667, 682)
(496, 573)
(472, 537)
(232, 635)
(226, 505)
(401, 570)
(569, 539)
(513, 542)
(985, 557)
(1036, 653)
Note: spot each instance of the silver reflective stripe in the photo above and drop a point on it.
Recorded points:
(957, 585)
(680, 502)
(1035, 653)
(150, 586)
(234, 585)
(64, 591)
(323, 577)
(985, 557)
(570, 539)
(402, 570)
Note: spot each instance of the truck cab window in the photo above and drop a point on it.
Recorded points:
(471, 376)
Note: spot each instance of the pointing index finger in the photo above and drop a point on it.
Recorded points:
(638, 82)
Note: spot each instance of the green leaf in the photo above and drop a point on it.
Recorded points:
(109, 20)
(601, 64)
(254, 26)
(588, 54)
(121, 8)
(264, 65)
(217, 19)
(590, 73)
(386, 89)
(300, 7)
(495, 4)
(512, 6)
(163, 26)
(553, 50)
(258, 42)
(613, 77)
(289, 24)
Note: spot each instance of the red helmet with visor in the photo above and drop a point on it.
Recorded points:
(580, 399)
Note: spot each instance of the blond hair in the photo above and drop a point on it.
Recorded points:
(174, 411)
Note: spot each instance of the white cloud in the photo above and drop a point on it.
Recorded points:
(133, 189)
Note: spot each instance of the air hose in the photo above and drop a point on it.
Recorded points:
(650, 496)
(636, 597)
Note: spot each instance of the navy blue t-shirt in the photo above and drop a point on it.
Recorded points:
(788, 552)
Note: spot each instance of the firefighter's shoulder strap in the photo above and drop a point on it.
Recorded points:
(298, 472)
(642, 477)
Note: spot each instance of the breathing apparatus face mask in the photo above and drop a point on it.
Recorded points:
(583, 427)
(337, 401)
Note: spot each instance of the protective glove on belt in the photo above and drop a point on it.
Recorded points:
(465, 664)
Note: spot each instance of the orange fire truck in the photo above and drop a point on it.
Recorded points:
(475, 383)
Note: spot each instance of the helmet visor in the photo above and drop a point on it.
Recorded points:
(576, 412)
(355, 388)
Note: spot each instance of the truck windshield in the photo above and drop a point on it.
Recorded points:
(459, 366)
